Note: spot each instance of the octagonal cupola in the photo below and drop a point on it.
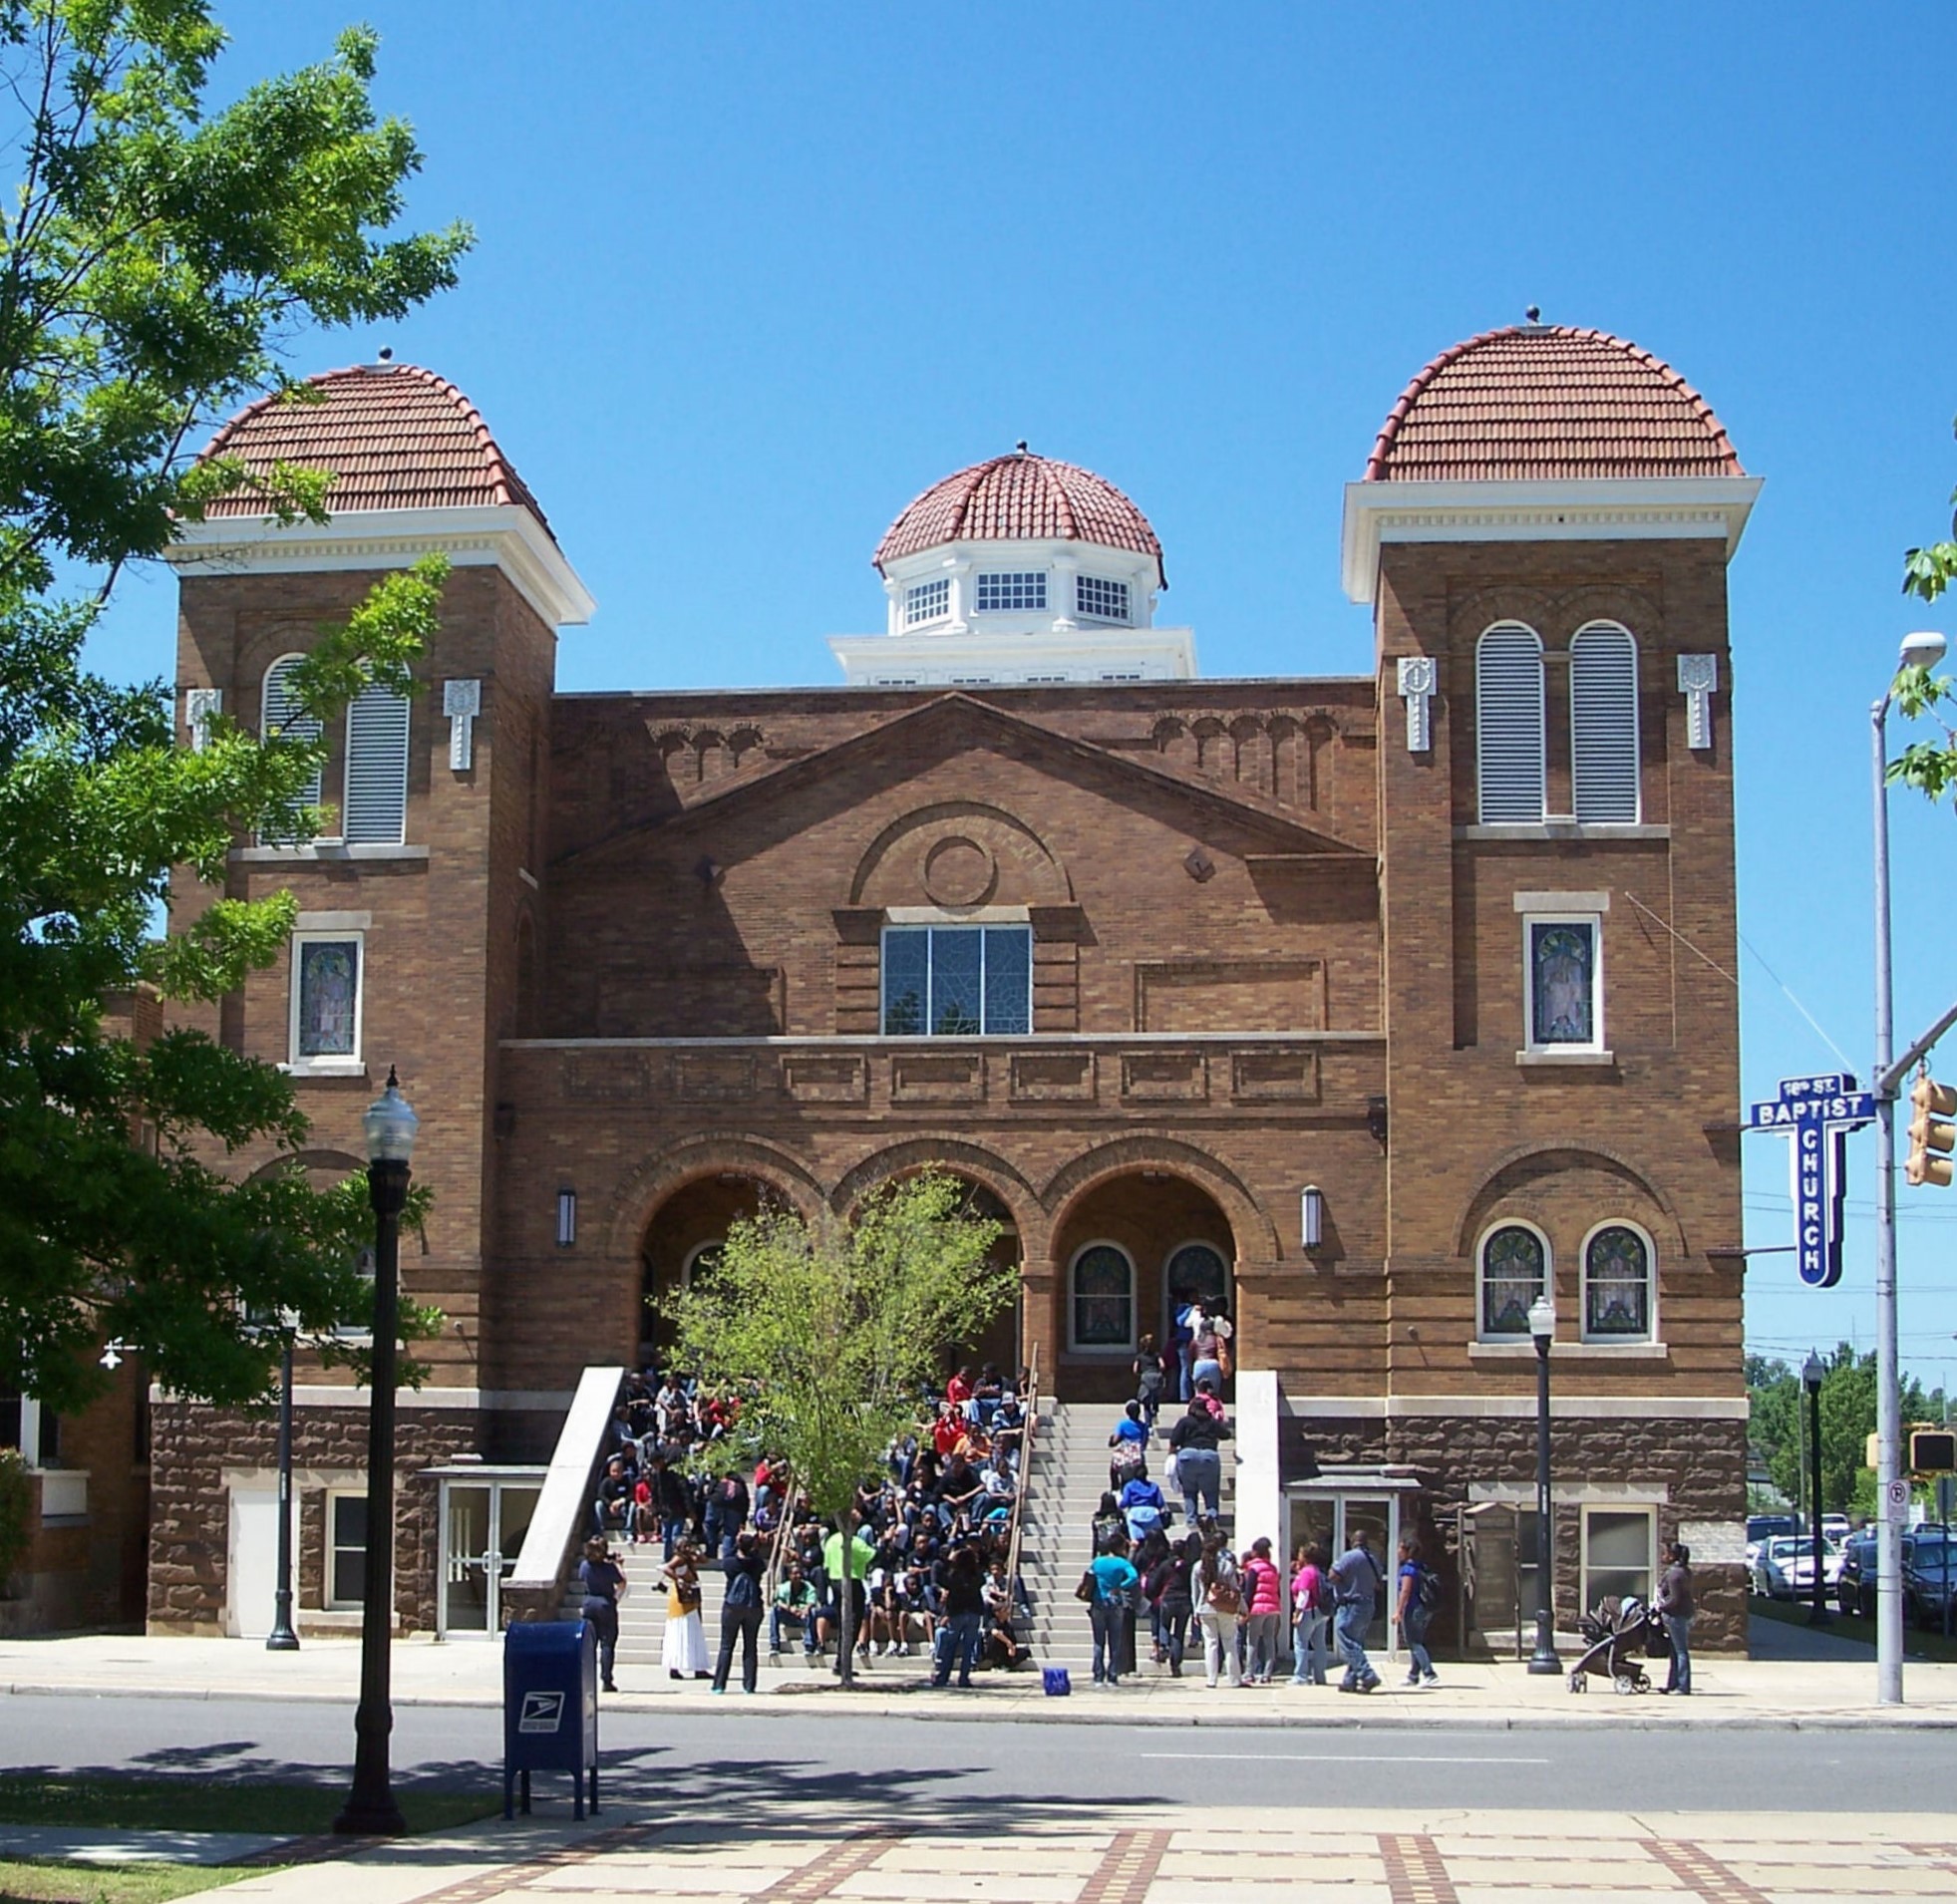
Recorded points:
(1021, 569)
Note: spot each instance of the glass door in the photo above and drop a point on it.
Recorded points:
(1379, 1516)
(483, 1529)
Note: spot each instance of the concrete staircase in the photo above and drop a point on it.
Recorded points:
(642, 1613)
(1069, 1476)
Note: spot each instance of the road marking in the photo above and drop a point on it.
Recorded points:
(1126, 1869)
(1415, 1870)
(1352, 1757)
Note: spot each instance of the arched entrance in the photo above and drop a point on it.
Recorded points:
(1123, 1252)
(685, 1229)
(998, 1343)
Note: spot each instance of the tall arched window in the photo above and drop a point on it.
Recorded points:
(1513, 1266)
(1100, 1300)
(1617, 1284)
(1603, 723)
(1508, 726)
(376, 810)
(281, 713)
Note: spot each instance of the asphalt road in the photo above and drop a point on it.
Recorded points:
(965, 1773)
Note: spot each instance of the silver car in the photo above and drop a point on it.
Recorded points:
(1784, 1568)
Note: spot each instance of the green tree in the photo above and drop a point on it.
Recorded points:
(155, 257)
(830, 1332)
(1778, 1424)
(1929, 765)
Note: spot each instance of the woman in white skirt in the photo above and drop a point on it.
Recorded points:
(685, 1651)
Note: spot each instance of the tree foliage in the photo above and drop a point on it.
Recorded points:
(829, 1331)
(1929, 765)
(1778, 1424)
(156, 260)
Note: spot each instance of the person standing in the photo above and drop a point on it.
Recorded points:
(1674, 1608)
(1356, 1586)
(1172, 1588)
(1196, 1438)
(1307, 1616)
(684, 1651)
(602, 1582)
(963, 1616)
(1412, 1607)
(1220, 1606)
(1147, 1367)
(1113, 1580)
(1263, 1610)
(740, 1612)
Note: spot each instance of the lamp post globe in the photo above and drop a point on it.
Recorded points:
(1813, 1372)
(1542, 1327)
(390, 1126)
(1923, 648)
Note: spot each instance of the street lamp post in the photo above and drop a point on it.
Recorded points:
(1542, 1326)
(370, 1808)
(1922, 650)
(282, 1639)
(1810, 1377)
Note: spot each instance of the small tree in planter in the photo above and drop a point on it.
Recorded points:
(829, 1331)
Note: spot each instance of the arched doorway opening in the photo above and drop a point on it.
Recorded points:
(1126, 1252)
(998, 1343)
(684, 1231)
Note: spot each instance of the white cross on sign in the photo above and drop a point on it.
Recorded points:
(1817, 1114)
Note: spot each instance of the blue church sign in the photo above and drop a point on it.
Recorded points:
(1816, 1115)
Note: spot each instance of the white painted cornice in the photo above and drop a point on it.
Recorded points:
(1587, 509)
(500, 536)
(1083, 654)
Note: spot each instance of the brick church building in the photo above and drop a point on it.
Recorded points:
(1371, 1004)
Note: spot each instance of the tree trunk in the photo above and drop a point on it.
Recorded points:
(846, 1607)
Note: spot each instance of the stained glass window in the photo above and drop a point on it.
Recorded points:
(1563, 982)
(329, 998)
(1197, 1270)
(1617, 1285)
(957, 981)
(1103, 1298)
(1512, 1279)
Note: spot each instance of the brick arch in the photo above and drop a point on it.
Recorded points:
(1029, 871)
(637, 1198)
(1481, 608)
(1515, 1181)
(1574, 608)
(958, 1158)
(1254, 1233)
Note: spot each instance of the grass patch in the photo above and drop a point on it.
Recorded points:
(45, 1882)
(1918, 1642)
(197, 1805)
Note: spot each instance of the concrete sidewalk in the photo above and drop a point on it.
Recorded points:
(1783, 1692)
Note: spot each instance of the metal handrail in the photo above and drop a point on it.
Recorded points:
(1027, 1440)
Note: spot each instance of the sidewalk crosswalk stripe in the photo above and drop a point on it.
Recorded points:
(841, 1861)
(1127, 1870)
(1415, 1872)
(1704, 1874)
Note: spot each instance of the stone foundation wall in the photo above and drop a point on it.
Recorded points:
(197, 1449)
(1695, 1470)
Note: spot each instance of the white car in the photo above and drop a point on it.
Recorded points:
(1785, 1566)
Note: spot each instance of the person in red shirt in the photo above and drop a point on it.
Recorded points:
(1263, 1597)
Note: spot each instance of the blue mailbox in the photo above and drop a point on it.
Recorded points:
(550, 1706)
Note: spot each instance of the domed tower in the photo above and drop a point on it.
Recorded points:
(1543, 531)
(1019, 569)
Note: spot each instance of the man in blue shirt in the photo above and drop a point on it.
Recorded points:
(1356, 1592)
(1107, 1612)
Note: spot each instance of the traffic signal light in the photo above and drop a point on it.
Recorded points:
(1932, 1450)
(1932, 1134)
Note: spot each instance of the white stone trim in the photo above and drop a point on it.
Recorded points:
(1601, 1494)
(1562, 902)
(1563, 1408)
(1600, 1351)
(507, 535)
(1564, 830)
(333, 922)
(947, 654)
(861, 1039)
(957, 915)
(326, 849)
(1590, 508)
(319, 1395)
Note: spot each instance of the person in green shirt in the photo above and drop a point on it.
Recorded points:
(861, 1553)
(794, 1602)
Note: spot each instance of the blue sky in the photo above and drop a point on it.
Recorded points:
(751, 276)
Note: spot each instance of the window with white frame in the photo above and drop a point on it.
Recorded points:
(1603, 719)
(927, 601)
(1001, 590)
(1100, 1300)
(1618, 1284)
(376, 809)
(346, 1550)
(1617, 1553)
(1096, 598)
(281, 716)
(1196, 1270)
(1508, 726)
(1562, 974)
(957, 981)
(1512, 1268)
(327, 979)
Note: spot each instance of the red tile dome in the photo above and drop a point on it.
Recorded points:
(396, 437)
(1021, 499)
(1548, 402)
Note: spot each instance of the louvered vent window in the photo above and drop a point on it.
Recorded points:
(282, 716)
(1508, 726)
(1604, 696)
(376, 769)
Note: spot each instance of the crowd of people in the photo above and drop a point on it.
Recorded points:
(928, 1561)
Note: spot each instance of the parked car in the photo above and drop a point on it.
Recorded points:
(1763, 1527)
(1836, 1526)
(1929, 1574)
(1785, 1566)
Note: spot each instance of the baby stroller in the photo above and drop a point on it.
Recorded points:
(1618, 1638)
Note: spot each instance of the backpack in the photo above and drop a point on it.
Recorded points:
(1427, 1590)
(1127, 1458)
